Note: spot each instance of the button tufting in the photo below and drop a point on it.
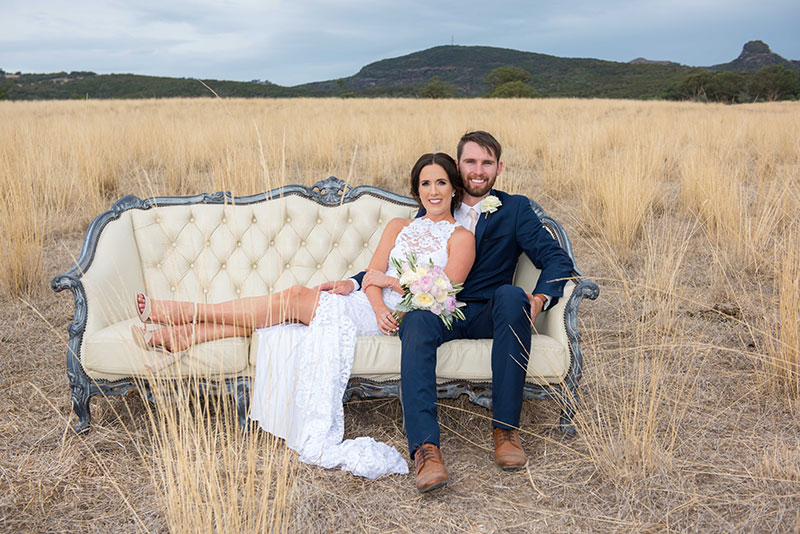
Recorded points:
(254, 219)
(174, 244)
(223, 266)
(287, 265)
(302, 243)
(191, 265)
(158, 265)
(238, 243)
(238, 290)
(224, 220)
(288, 219)
(319, 220)
(158, 219)
(205, 290)
(255, 266)
(366, 245)
(172, 288)
(335, 245)
(191, 219)
(272, 243)
(319, 266)
(380, 221)
(349, 220)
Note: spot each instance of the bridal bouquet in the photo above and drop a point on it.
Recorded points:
(428, 288)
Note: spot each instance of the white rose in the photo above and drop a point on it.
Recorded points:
(422, 300)
(490, 204)
(408, 278)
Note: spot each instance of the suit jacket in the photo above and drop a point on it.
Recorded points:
(500, 238)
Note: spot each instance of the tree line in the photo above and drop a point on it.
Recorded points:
(767, 84)
(503, 82)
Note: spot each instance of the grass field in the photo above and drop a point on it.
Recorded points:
(687, 216)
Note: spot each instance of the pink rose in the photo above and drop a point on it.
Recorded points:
(450, 304)
(436, 308)
(426, 282)
(415, 288)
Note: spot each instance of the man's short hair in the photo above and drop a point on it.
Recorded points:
(482, 139)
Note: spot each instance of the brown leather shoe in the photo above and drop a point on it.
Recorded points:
(429, 465)
(508, 452)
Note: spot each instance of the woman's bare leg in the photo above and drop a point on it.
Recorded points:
(297, 303)
(179, 337)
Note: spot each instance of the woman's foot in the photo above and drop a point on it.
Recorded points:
(174, 312)
(174, 339)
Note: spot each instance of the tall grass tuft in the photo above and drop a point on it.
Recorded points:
(636, 400)
(783, 359)
(212, 474)
(21, 239)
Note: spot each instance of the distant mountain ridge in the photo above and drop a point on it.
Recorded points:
(466, 67)
(463, 67)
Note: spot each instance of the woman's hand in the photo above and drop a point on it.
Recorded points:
(387, 322)
(376, 278)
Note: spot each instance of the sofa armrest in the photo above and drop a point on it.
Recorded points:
(106, 276)
(114, 277)
(551, 323)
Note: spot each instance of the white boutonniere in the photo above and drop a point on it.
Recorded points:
(490, 204)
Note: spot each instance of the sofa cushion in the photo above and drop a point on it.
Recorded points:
(377, 358)
(111, 354)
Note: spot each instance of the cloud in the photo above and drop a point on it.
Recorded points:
(302, 41)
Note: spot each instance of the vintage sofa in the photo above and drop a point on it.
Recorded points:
(214, 247)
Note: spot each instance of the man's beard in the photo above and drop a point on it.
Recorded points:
(479, 190)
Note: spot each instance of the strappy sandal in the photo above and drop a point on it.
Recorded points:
(144, 313)
(143, 337)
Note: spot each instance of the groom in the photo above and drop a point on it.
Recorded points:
(504, 226)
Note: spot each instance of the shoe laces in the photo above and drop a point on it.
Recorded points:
(424, 454)
(506, 434)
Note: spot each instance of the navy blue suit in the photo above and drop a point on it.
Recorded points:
(495, 309)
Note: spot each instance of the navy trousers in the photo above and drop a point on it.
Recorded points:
(506, 319)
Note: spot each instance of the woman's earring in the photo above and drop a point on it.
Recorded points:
(452, 194)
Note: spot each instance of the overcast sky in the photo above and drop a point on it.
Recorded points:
(310, 40)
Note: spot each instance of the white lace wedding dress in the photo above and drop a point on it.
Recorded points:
(302, 371)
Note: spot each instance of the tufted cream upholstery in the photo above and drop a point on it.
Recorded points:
(213, 253)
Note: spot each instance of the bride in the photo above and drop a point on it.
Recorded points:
(302, 371)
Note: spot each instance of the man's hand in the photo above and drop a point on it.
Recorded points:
(340, 287)
(536, 306)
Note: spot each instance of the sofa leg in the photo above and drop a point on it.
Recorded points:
(569, 401)
(243, 401)
(80, 405)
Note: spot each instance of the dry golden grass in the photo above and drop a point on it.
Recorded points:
(685, 214)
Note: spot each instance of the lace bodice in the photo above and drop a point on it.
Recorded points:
(427, 240)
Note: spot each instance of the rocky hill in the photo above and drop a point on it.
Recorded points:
(756, 55)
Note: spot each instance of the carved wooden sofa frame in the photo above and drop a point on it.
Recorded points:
(329, 193)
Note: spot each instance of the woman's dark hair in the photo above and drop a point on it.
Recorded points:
(449, 165)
